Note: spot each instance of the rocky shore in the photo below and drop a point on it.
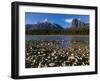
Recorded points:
(56, 53)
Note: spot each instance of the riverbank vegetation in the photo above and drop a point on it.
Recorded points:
(67, 31)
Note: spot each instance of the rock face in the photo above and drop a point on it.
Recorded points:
(75, 22)
(45, 24)
(78, 23)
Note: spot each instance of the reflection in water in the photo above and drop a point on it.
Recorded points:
(48, 37)
(66, 41)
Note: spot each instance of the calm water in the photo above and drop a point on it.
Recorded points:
(83, 39)
(48, 37)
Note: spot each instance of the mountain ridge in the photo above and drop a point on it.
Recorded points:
(45, 24)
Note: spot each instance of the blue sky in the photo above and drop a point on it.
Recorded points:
(62, 19)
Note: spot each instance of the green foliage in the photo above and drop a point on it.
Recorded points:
(68, 31)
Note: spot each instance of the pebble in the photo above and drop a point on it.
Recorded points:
(51, 64)
(42, 54)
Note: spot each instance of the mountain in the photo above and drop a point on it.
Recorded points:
(78, 23)
(28, 26)
(45, 24)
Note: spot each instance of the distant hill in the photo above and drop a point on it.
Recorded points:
(28, 26)
(45, 24)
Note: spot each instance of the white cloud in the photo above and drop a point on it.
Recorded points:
(79, 19)
(35, 23)
(68, 20)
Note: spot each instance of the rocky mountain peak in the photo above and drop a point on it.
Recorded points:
(45, 24)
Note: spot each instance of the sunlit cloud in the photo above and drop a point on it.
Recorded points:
(68, 20)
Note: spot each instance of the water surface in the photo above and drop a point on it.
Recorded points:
(82, 38)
